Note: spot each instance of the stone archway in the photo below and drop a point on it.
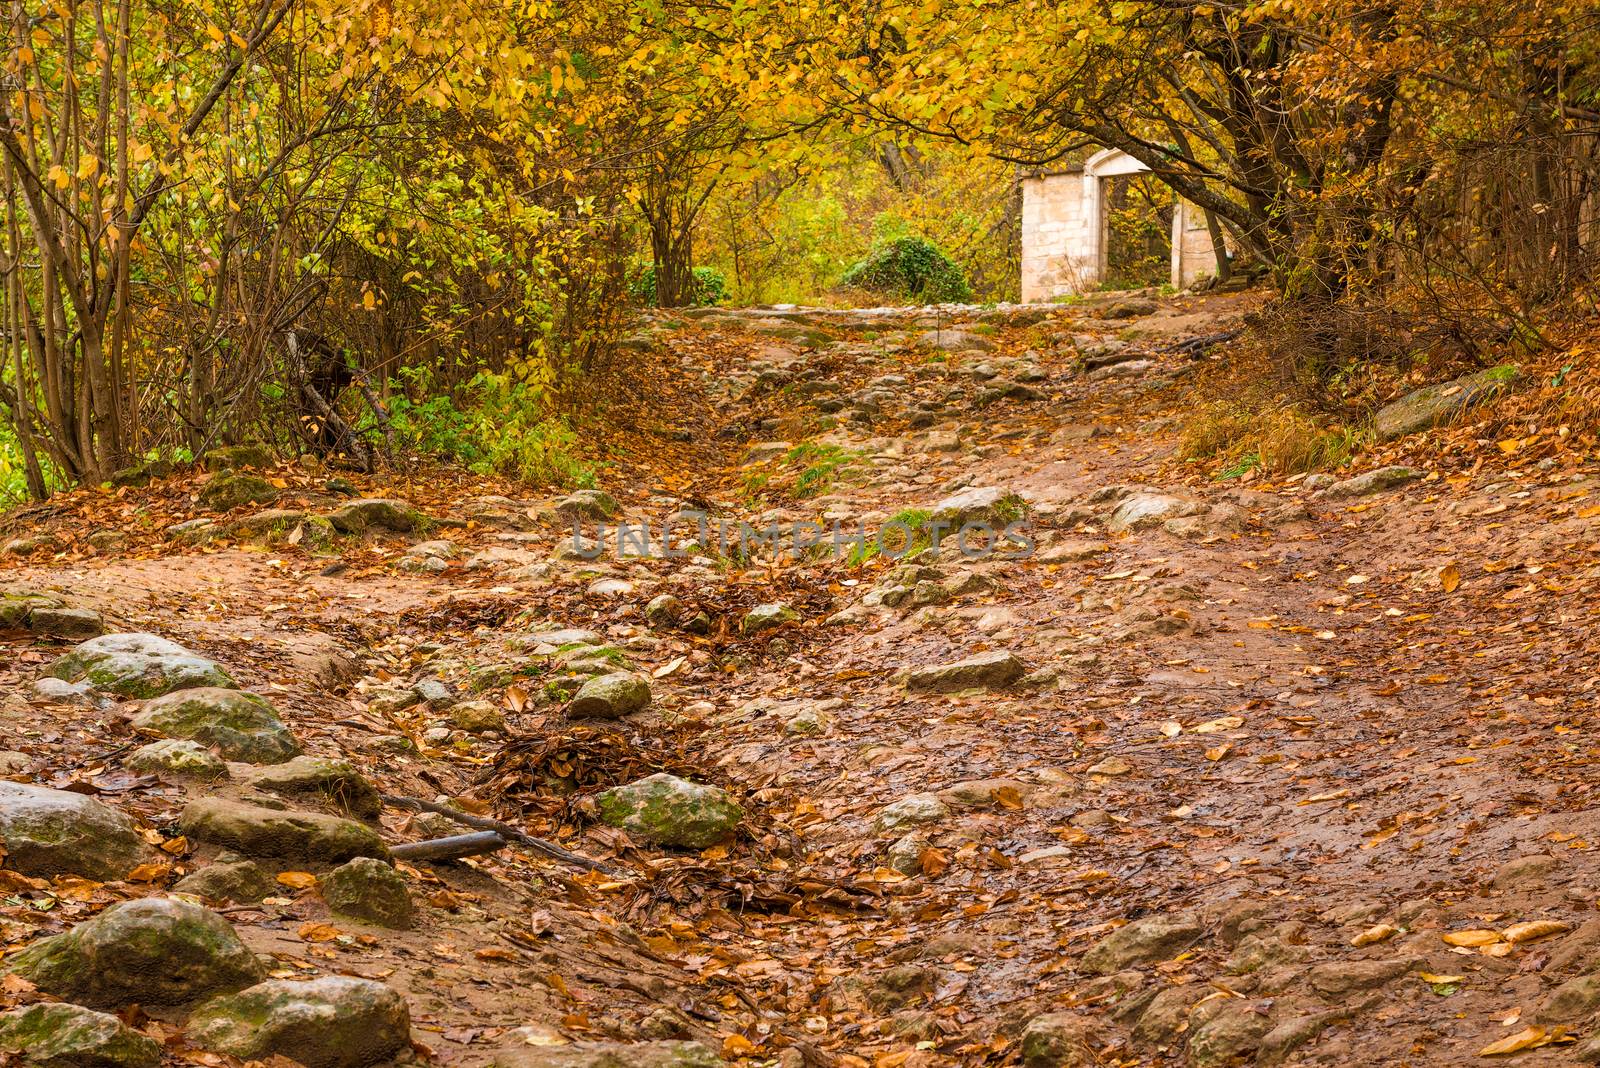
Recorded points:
(1064, 240)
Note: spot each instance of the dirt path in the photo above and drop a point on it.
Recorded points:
(1269, 744)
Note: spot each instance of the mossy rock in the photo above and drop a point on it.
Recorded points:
(227, 490)
(610, 696)
(138, 665)
(668, 1054)
(767, 617)
(177, 758)
(331, 1022)
(243, 881)
(335, 781)
(371, 891)
(588, 503)
(256, 831)
(278, 526)
(236, 456)
(154, 951)
(240, 725)
(57, 832)
(377, 513)
(670, 811)
(53, 1035)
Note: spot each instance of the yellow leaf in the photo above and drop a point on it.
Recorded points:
(1450, 578)
(59, 177)
(1430, 977)
(1527, 1038)
(369, 300)
(737, 1044)
(148, 873)
(297, 880)
(318, 932)
(216, 34)
(1374, 934)
(1475, 937)
(1226, 723)
(1533, 930)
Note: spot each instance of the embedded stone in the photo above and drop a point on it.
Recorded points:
(177, 758)
(610, 696)
(268, 832)
(57, 1035)
(137, 665)
(765, 617)
(240, 725)
(334, 781)
(56, 832)
(376, 513)
(1153, 938)
(990, 670)
(369, 890)
(330, 1022)
(152, 951)
(670, 811)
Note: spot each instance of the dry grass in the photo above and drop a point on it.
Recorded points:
(1275, 437)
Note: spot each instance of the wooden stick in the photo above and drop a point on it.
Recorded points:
(453, 848)
(505, 830)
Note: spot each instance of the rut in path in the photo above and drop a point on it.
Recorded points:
(1273, 773)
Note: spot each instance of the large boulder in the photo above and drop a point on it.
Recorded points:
(609, 1055)
(269, 832)
(1441, 403)
(990, 670)
(610, 696)
(153, 951)
(670, 811)
(371, 891)
(54, 1035)
(137, 665)
(330, 1022)
(56, 832)
(240, 725)
(324, 778)
(376, 513)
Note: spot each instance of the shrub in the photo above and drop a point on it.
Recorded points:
(710, 286)
(497, 426)
(912, 269)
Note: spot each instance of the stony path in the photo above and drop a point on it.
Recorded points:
(1275, 772)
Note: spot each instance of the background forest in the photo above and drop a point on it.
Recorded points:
(368, 231)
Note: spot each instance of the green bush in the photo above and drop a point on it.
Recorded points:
(497, 426)
(710, 286)
(912, 269)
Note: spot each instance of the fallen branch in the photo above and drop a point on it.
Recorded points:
(505, 830)
(452, 848)
(1195, 346)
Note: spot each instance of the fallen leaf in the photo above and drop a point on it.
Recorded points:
(1528, 1038)
(297, 880)
(1533, 930)
(1226, 723)
(1377, 933)
(318, 932)
(1475, 937)
(1449, 578)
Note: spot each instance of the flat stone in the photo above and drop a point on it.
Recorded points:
(330, 1022)
(1442, 403)
(376, 513)
(137, 665)
(371, 891)
(1153, 938)
(1336, 979)
(477, 717)
(765, 617)
(335, 781)
(987, 504)
(56, 832)
(62, 622)
(55, 1035)
(152, 951)
(991, 670)
(911, 811)
(240, 725)
(1235, 1031)
(1144, 510)
(266, 832)
(177, 758)
(51, 690)
(589, 504)
(1384, 478)
(670, 811)
(242, 881)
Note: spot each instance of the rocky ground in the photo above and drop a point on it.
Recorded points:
(1185, 772)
